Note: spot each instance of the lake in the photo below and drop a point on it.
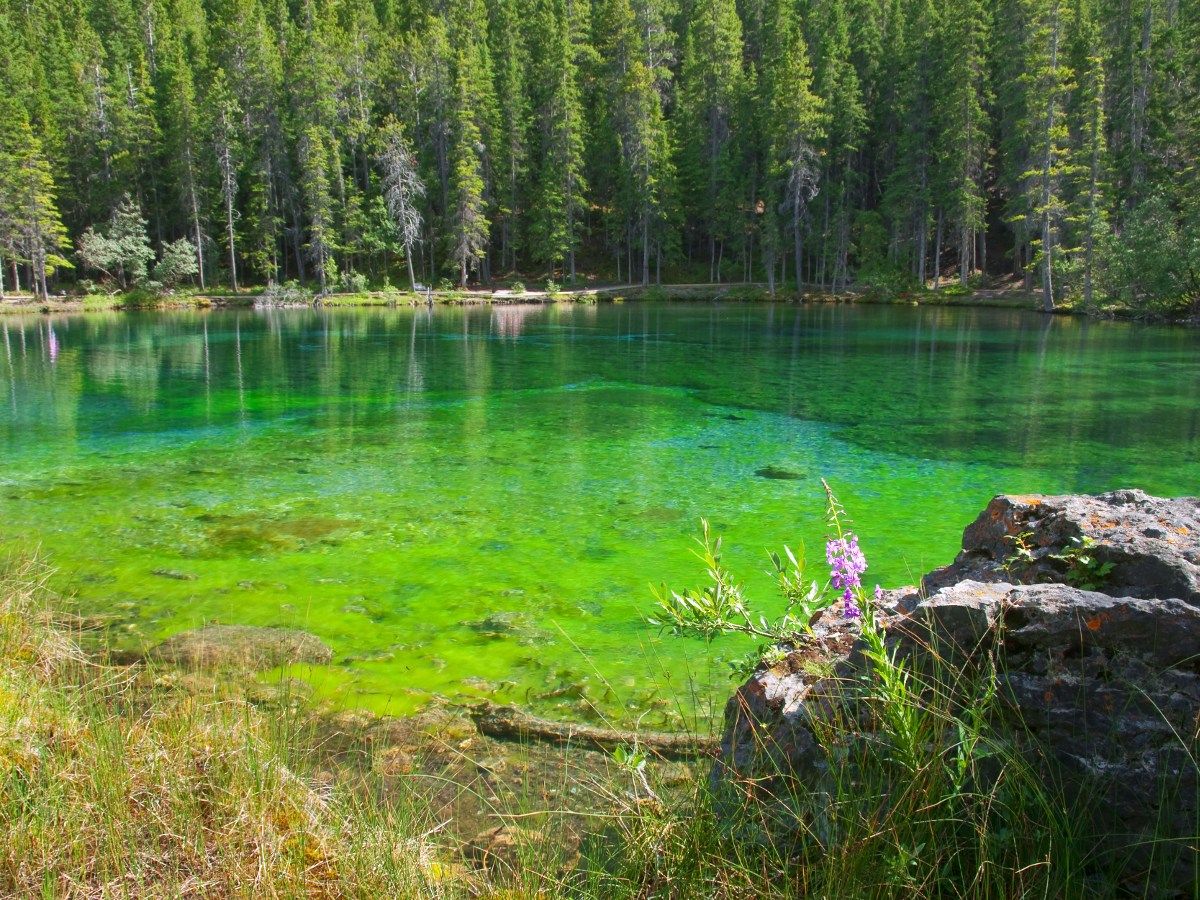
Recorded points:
(472, 502)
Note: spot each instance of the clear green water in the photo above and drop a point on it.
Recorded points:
(476, 501)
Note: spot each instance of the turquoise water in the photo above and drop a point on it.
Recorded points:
(474, 502)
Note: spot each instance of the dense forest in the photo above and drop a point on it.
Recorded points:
(888, 143)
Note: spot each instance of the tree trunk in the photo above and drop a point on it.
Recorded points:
(797, 241)
(412, 278)
(195, 218)
(1047, 166)
(965, 243)
(937, 254)
(645, 250)
(233, 282)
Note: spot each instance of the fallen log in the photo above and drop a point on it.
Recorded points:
(510, 723)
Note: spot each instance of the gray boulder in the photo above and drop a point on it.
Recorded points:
(1152, 544)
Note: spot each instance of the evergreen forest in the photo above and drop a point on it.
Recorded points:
(830, 144)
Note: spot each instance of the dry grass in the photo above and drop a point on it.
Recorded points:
(114, 785)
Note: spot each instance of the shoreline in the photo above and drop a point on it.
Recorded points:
(750, 292)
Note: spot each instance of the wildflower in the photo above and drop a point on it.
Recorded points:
(846, 565)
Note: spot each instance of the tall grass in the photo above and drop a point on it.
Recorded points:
(123, 782)
(113, 784)
(917, 798)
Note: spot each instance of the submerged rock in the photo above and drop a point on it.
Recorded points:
(506, 624)
(242, 647)
(1105, 682)
(174, 574)
(778, 473)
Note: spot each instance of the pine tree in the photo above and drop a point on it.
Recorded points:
(1048, 79)
(30, 226)
(512, 140)
(467, 216)
(225, 140)
(838, 85)
(794, 120)
(556, 218)
(646, 172)
(713, 89)
(1088, 165)
(962, 127)
(315, 163)
(182, 139)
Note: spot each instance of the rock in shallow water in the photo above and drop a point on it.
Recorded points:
(778, 473)
(242, 647)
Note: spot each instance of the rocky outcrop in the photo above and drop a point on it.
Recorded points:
(242, 647)
(1152, 545)
(1105, 681)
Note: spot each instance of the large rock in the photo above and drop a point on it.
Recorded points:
(1105, 682)
(1152, 544)
(242, 647)
(1107, 685)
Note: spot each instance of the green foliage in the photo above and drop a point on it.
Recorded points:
(1085, 570)
(1153, 266)
(178, 262)
(1022, 555)
(835, 144)
(354, 282)
(721, 606)
(122, 251)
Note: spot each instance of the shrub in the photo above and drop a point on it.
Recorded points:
(354, 282)
(178, 262)
(517, 287)
(1153, 265)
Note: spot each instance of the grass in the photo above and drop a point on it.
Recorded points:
(112, 783)
(127, 781)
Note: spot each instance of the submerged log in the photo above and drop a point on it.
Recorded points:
(510, 723)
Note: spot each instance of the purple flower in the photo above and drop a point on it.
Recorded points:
(846, 565)
(878, 594)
